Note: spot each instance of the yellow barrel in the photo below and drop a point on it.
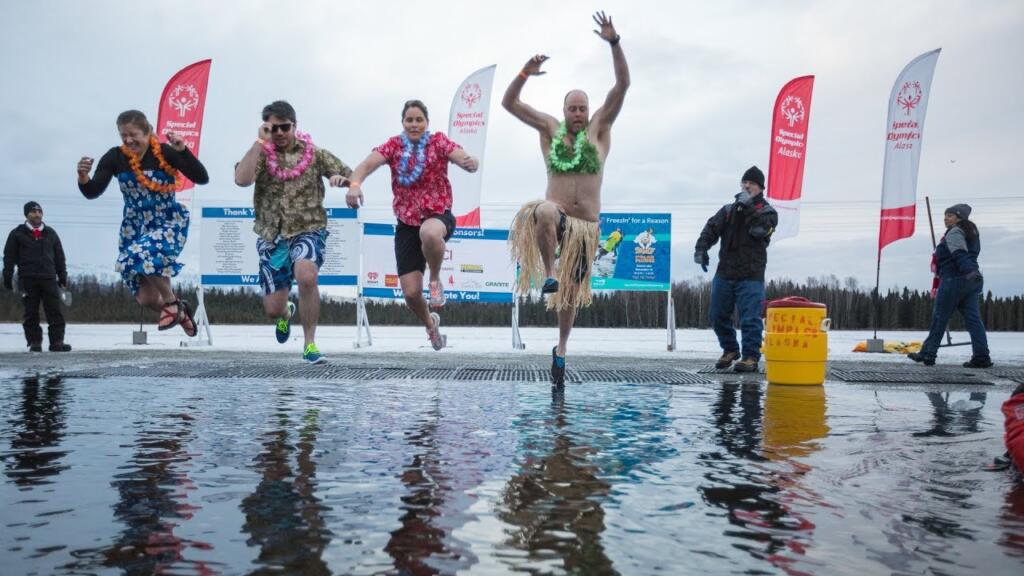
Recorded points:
(796, 341)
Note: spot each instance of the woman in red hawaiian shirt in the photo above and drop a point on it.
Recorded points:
(423, 201)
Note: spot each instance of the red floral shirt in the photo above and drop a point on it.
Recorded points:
(432, 193)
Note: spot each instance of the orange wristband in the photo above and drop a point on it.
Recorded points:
(523, 74)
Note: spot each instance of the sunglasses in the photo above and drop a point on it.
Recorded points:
(283, 128)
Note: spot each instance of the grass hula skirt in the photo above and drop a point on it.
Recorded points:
(576, 251)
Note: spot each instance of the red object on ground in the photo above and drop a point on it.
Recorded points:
(794, 302)
(1013, 410)
(790, 302)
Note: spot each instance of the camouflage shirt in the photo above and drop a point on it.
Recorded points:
(291, 207)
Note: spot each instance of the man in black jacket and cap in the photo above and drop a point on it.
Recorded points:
(745, 228)
(35, 250)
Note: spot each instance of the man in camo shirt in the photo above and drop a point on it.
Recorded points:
(291, 222)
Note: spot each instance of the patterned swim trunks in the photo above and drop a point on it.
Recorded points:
(278, 258)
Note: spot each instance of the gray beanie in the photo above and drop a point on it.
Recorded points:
(962, 211)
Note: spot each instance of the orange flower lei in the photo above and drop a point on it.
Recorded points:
(144, 180)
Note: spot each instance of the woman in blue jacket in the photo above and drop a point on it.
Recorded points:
(960, 285)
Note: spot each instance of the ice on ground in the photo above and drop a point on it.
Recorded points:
(691, 344)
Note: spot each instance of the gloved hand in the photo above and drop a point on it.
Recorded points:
(744, 199)
(700, 257)
(974, 276)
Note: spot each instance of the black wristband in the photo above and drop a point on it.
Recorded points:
(615, 41)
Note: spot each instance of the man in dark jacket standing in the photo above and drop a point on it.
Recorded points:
(745, 228)
(35, 249)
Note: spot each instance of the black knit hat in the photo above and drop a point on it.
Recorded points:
(30, 206)
(962, 211)
(754, 174)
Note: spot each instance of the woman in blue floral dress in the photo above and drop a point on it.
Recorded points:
(154, 226)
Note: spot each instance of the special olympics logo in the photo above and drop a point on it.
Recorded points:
(909, 96)
(471, 94)
(792, 109)
(184, 98)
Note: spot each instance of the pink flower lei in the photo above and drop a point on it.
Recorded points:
(295, 171)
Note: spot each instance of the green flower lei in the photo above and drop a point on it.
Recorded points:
(583, 159)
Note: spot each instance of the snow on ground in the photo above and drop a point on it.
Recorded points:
(1006, 347)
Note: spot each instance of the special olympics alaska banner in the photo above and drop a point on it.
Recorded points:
(908, 103)
(227, 250)
(467, 126)
(634, 253)
(476, 265)
(790, 122)
(181, 110)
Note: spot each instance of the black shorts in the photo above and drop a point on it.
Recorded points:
(409, 249)
(583, 266)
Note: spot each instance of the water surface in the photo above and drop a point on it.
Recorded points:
(398, 477)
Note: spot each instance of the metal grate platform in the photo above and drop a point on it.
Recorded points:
(710, 369)
(918, 376)
(1015, 374)
(357, 373)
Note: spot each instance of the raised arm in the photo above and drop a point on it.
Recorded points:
(245, 170)
(543, 123)
(182, 158)
(605, 116)
(354, 197)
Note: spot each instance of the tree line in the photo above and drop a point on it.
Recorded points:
(849, 305)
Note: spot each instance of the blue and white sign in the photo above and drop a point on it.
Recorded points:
(634, 253)
(476, 265)
(228, 248)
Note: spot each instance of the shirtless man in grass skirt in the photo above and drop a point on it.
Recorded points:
(566, 221)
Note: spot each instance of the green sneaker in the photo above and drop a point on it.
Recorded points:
(284, 325)
(312, 354)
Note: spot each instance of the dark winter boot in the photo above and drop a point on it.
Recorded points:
(918, 357)
(976, 362)
(35, 346)
(746, 365)
(726, 360)
(60, 347)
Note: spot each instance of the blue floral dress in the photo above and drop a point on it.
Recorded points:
(154, 226)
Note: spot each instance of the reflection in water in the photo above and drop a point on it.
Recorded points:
(38, 427)
(420, 538)
(153, 500)
(1012, 520)
(283, 516)
(794, 417)
(554, 502)
(936, 512)
(492, 479)
(760, 494)
(950, 422)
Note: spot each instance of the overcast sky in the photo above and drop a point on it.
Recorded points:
(704, 79)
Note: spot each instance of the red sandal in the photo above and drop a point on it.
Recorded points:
(165, 313)
(183, 304)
